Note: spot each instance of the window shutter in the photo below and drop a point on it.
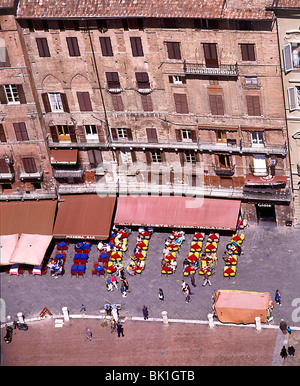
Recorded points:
(136, 46)
(181, 105)
(29, 165)
(152, 135)
(194, 135)
(173, 50)
(210, 55)
(114, 133)
(2, 134)
(95, 157)
(64, 102)
(3, 98)
(21, 93)
(54, 134)
(72, 133)
(148, 158)
(147, 102)
(84, 101)
(101, 135)
(117, 103)
(20, 131)
(253, 105)
(3, 166)
(106, 47)
(129, 134)
(46, 102)
(292, 96)
(42, 45)
(219, 103)
(81, 134)
(178, 135)
(73, 46)
(287, 58)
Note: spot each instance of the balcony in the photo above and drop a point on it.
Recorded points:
(68, 173)
(7, 176)
(230, 70)
(259, 193)
(224, 171)
(29, 176)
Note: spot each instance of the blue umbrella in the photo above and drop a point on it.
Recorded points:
(104, 256)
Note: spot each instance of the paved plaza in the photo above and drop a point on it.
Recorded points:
(270, 261)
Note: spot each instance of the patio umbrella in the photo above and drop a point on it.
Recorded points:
(31, 249)
(7, 245)
(210, 247)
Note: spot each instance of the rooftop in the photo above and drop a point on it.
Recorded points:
(221, 9)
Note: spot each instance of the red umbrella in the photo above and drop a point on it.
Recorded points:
(210, 247)
(199, 235)
(213, 237)
(192, 258)
(196, 246)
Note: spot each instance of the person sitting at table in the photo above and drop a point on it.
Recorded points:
(185, 262)
(131, 270)
(57, 270)
(173, 265)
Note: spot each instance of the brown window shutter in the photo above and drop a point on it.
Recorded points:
(3, 166)
(194, 135)
(216, 104)
(3, 98)
(84, 101)
(136, 46)
(21, 93)
(43, 48)
(147, 102)
(148, 157)
(114, 133)
(152, 135)
(81, 134)
(171, 79)
(72, 133)
(106, 47)
(178, 135)
(73, 46)
(248, 52)
(181, 105)
(54, 134)
(95, 157)
(253, 105)
(173, 50)
(101, 134)
(129, 134)
(46, 102)
(20, 131)
(29, 165)
(117, 102)
(64, 102)
(210, 55)
(2, 134)
(133, 156)
(182, 158)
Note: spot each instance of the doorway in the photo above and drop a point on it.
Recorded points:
(266, 214)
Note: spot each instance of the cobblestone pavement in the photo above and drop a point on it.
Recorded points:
(143, 344)
(270, 261)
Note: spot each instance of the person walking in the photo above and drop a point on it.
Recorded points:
(187, 295)
(183, 285)
(291, 350)
(206, 279)
(193, 282)
(145, 312)
(120, 329)
(123, 290)
(283, 326)
(89, 334)
(161, 295)
(83, 308)
(283, 352)
(114, 281)
(278, 297)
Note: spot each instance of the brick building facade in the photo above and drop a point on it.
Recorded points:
(160, 87)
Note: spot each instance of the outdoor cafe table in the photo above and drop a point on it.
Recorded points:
(141, 245)
(170, 257)
(59, 256)
(62, 245)
(166, 269)
(81, 256)
(210, 247)
(213, 237)
(204, 270)
(111, 268)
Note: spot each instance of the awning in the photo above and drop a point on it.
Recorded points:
(8, 244)
(34, 217)
(181, 212)
(268, 180)
(64, 156)
(241, 306)
(85, 216)
(30, 249)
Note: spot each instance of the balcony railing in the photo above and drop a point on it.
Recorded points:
(68, 173)
(224, 171)
(202, 69)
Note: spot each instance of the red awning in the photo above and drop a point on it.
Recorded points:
(181, 212)
(268, 180)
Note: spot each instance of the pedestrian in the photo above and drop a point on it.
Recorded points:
(120, 329)
(145, 312)
(206, 279)
(278, 297)
(291, 350)
(107, 308)
(289, 330)
(193, 280)
(161, 295)
(125, 282)
(114, 281)
(109, 285)
(187, 295)
(113, 325)
(89, 334)
(283, 326)
(183, 285)
(283, 352)
(83, 308)
(123, 290)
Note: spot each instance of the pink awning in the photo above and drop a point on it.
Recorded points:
(181, 212)
(30, 249)
(8, 244)
(268, 180)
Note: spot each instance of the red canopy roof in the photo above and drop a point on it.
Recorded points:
(181, 212)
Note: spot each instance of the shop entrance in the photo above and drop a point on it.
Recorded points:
(266, 214)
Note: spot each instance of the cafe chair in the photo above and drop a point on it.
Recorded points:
(170, 272)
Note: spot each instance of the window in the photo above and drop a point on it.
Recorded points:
(29, 165)
(84, 101)
(216, 104)
(190, 156)
(63, 132)
(4, 166)
(91, 132)
(142, 80)
(95, 157)
(55, 101)
(253, 105)
(12, 93)
(21, 131)
(73, 46)
(2, 134)
(136, 46)
(113, 82)
(117, 102)
(257, 138)
(42, 46)
(186, 134)
(221, 136)
(122, 133)
(210, 55)
(177, 79)
(147, 102)
(206, 23)
(294, 97)
(181, 105)
(106, 46)
(251, 80)
(156, 156)
(125, 157)
(173, 50)
(248, 52)
(259, 166)
(223, 161)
